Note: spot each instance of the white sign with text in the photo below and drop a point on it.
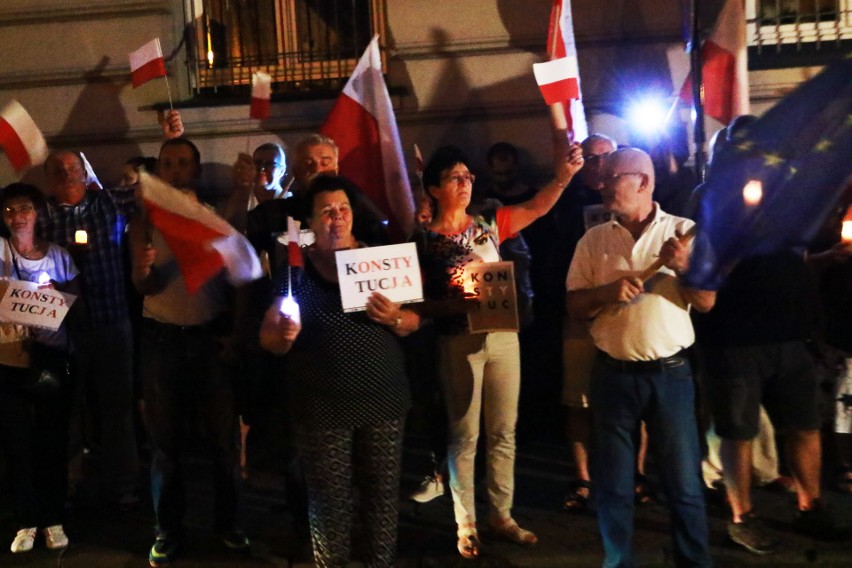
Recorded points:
(392, 270)
(26, 303)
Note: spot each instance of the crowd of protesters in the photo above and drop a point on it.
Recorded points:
(644, 363)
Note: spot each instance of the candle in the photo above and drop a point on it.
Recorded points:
(43, 278)
(753, 192)
(846, 229)
(81, 237)
(290, 308)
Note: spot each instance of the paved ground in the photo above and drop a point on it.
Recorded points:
(427, 534)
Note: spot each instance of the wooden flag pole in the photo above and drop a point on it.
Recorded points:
(166, 77)
(649, 272)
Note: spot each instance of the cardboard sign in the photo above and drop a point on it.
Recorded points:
(493, 284)
(392, 270)
(27, 304)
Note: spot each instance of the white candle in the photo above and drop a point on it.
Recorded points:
(290, 308)
(81, 237)
(846, 232)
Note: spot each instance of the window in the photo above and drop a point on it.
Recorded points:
(300, 43)
(779, 22)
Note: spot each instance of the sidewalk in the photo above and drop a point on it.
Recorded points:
(427, 532)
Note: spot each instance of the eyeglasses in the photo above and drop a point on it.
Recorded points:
(596, 157)
(266, 166)
(459, 179)
(617, 176)
(15, 210)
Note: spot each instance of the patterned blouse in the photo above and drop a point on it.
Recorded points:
(344, 369)
(443, 259)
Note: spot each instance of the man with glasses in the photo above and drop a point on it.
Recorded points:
(641, 329)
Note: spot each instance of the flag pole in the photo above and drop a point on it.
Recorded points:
(166, 77)
(699, 135)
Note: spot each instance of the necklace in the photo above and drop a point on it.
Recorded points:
(35, 253)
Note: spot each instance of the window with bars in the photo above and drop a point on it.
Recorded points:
(300, 43)
(784, 22)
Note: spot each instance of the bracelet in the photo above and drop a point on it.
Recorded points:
(397, 322)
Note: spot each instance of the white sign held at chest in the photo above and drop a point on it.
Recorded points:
(26, 303)
(392, 270)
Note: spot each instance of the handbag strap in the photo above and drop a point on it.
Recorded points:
(7, 258)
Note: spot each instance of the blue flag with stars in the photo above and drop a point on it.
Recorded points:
(774, 185)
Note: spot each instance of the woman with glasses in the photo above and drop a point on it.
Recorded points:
(35, 415)
(480, 373)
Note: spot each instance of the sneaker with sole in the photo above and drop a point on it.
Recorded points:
(55, 538)
(24, 540)
(164, 550)
(430, 488)
(236, 541)
(820, 522)
(752, 535)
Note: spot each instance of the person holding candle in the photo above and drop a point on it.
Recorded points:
(34, 423)
(480, 373)
(348, 390)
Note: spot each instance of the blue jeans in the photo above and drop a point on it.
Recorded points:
(664, 398)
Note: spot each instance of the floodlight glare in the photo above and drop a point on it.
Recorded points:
(647, 115)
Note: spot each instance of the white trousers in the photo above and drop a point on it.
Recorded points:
(481, 373)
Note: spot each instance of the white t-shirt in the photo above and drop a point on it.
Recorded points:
(656, 323)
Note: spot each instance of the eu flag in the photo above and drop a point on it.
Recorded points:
(772, 188)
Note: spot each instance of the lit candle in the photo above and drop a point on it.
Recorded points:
(290, 308)
(753, 193)
(43, 278)
(846, 227)
(81, 237)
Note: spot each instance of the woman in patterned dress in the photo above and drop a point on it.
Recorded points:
(348, 390)
(480, 373)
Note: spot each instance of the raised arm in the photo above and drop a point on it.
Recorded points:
(567, 166)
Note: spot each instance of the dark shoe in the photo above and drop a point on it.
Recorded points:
(752, 535)
(577, 498)
(164, 550)
(781, 484)
(236, 541)
(820, 522)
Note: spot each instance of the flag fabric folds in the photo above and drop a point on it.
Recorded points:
(724, 66)
(201, 242)
(363, 125)
(294, 253)
(261, 93)
(147, 63)
(560, 41)
(558, 79)
(799, 154)
(20, 138)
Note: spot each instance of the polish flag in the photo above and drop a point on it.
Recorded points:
(363, 125)
(724, 66)
(202, 243)
(558, 79)
(20, 138)
(561, 44)
(261, 92)
(147, 63)
(294, 253)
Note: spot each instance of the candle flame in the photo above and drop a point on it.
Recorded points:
(753, 192)
(846, 232)
(290, 308)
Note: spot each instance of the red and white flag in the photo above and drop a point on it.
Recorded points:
(294, 252)
(202, 243)
(147, 63)
(560, 41)
(20, 138)
(558, 80)
(261, 93)
(724, 66)
(363, 125)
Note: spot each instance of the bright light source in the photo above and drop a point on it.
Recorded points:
(290, 308)
(753, 192)
(43, 278)
(647, 115)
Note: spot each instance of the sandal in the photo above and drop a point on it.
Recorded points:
(508, 530)
(643, 493)
(468, 542)
(577, 498)
(843, 479)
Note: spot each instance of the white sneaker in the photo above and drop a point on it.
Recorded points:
(24, 540)
(54, 537)
(430, 488)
